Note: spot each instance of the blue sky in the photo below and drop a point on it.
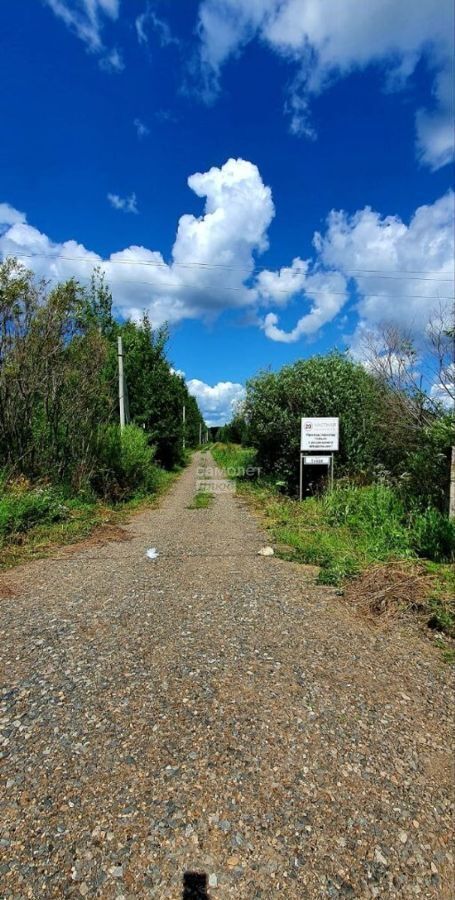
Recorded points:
(195, 150)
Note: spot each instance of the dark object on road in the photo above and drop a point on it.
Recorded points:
(195, 886)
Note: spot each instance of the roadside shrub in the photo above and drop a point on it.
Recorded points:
(433, 535)
(21, 510)
(427, 476)
(331, 385)
(126, 463)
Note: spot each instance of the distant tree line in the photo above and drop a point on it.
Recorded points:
(59, 389)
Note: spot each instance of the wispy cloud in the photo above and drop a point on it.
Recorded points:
(86, 18)
(125, 204)
(141, 128)
(166, 115)
(323, 47)
(112, 62)
(149, 21)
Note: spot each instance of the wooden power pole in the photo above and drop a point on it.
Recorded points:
(121, 382)
(452, 486)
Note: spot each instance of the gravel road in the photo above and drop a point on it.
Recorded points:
(213, 711)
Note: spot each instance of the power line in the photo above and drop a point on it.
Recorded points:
(309, 291)
(411, 274)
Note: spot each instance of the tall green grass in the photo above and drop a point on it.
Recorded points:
(347, 529)
(20, 510)
(236, 461)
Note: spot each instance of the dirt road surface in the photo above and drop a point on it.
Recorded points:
(213, 711)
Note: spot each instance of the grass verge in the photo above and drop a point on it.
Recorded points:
(360, 540)
(34, 522)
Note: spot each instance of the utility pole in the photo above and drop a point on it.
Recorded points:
(452, 486)
(183, 421)
(121, 382)
(200, 433)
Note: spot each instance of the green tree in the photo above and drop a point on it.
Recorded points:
(330, 385)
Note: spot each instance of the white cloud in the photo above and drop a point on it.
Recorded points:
(326, 41)
(393, 289)
(327, 292)
(10, 216)
(216, 403)
(141, 128)
(126, 204)
(277, 286)
(435, 128)
(112, 61)
(85, 18)
(212, 256)
(213, 264)
(148, 20)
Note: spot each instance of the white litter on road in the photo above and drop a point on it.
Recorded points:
(265, 551)
(152, 553)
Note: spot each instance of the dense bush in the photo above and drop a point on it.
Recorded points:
(330, 385)
(427, 468)
(125, 463)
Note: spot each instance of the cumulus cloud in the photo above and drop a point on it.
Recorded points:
(10, 216)
(277, 286)
(324, 43)
(85, 18)
(217, 403)
(212, 257)
(325, 293)
(366, 259)
(126, 204)
(392, 255)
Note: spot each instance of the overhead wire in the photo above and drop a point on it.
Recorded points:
(411, 274)
(308, 290)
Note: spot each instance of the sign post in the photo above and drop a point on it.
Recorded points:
(318, 435)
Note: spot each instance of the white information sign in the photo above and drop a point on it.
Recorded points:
(319, 434)
(316, 460)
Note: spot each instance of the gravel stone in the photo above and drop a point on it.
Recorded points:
(214, 711)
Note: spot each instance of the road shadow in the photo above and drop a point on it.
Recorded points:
(195, 886)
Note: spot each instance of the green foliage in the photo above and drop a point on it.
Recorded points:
(21, 510)
(426, 481)
(433, 535)
(126, 463)
(237, 462)
(330, 385)
(156, 394)
(346, 530)
(375, 510)
(235, 432)
(59, 388)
